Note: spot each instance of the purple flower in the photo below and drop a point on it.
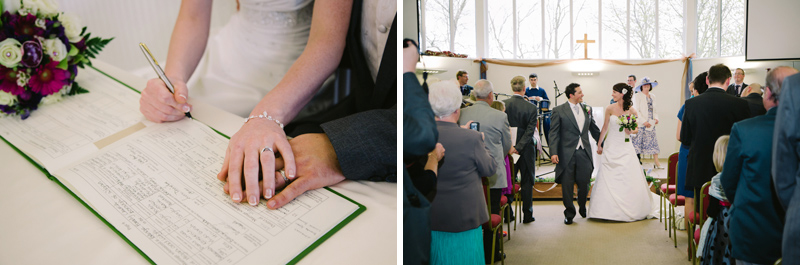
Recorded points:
(48, 79)
(8, 81)
(7, 109)
(31, 53)
(28, 102)
(25, 27)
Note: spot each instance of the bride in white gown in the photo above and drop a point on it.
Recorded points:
(620, 192)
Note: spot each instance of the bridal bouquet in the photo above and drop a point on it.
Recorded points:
(627, 121)
(40, 52)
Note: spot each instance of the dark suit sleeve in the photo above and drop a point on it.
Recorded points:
(785, 142)
(686, 125)
(528, 133)
(555, 126)
(593, 129)
(366, 144)
(419, 128)
(733, 164)
(483, 159)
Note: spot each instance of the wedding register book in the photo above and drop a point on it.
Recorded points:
(155, 185)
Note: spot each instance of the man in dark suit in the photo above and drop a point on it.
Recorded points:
(705, 118)
(786, 165)
(571, 150)
(462, 76)
(738, 83)
(756, 227)
(753, 96)
(522, 114)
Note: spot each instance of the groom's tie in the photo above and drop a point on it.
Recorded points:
(576, 109)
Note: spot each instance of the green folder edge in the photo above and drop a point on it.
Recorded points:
(361, 208)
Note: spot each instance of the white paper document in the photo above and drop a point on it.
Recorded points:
(58, 134)
(158, 187)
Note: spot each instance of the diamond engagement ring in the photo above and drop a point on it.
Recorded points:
(267, 149)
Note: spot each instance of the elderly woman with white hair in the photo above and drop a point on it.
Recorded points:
(460, 208)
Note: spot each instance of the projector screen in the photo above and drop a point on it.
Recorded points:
(772, 32)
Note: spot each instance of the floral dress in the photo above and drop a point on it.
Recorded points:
(645, 142)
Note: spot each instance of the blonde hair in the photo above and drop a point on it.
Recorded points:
(720, 149)
(518, 83)
(498, 105)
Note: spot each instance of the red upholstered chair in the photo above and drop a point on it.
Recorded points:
(668, 188)
(496, 220)
(697, 219)
(674, 200)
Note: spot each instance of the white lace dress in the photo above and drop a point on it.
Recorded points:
(251, 53)
(620, 192)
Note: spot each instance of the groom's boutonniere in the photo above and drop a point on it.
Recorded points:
(587, 108)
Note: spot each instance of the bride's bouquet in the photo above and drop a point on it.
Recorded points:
(627, 121)
(40, 52)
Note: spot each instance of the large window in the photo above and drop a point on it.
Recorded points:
(549, 29)
(449, 25)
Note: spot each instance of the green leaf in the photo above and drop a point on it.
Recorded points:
(63, 64)
(72, 50)
(77, 89)
(82, 31)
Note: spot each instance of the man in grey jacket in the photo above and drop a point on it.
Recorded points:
(785, 169)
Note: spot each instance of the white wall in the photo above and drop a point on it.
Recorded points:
(598, 88)
(131, 22)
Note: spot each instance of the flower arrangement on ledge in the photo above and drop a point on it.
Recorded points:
(40, 52)
(445, 54)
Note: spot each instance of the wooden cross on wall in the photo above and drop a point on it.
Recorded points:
(585, 46)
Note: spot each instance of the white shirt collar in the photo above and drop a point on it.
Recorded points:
(572, 106)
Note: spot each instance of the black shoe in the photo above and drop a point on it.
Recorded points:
(528, 220)
(583, 213)
(567, 221)
(499, 257)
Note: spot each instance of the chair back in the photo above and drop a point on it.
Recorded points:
(672, 169)
(704, 205)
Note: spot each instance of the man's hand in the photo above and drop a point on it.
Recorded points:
(317, 167)
(513, 151)
(410, 58)
(554, 159)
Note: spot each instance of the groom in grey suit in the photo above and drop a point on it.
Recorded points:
(570, 149)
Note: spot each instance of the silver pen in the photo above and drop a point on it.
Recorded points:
(159, 71)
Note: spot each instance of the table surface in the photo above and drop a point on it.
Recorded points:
(41, 223)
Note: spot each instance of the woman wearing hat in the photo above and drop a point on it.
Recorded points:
(645, 142)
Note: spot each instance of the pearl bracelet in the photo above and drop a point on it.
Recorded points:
(264, 115)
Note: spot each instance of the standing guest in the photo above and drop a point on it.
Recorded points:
(537, 93)
(786, 164)
(522, 114)
(753, 96)
(459, 209)
(697, 87)
(462, 76)
(646, 142)
(497, 137)
(509, 190)
(715, 247)
(756, 227)
(738, 85)
(707, 117)
(419, 138)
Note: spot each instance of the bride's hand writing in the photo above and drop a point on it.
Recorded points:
(159, 105)
(258, 142)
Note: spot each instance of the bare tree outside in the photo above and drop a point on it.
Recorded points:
(732, 28)
(557, 28)
(501, 35)
(442, 25)
(707, 28)
(671, 21)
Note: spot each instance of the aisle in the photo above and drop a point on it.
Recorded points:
(549, 241)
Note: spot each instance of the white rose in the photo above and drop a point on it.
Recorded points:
(7, 98)
(55, 97)
(10, 52)
(72, 26)
(55, 48)
(47, 8)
